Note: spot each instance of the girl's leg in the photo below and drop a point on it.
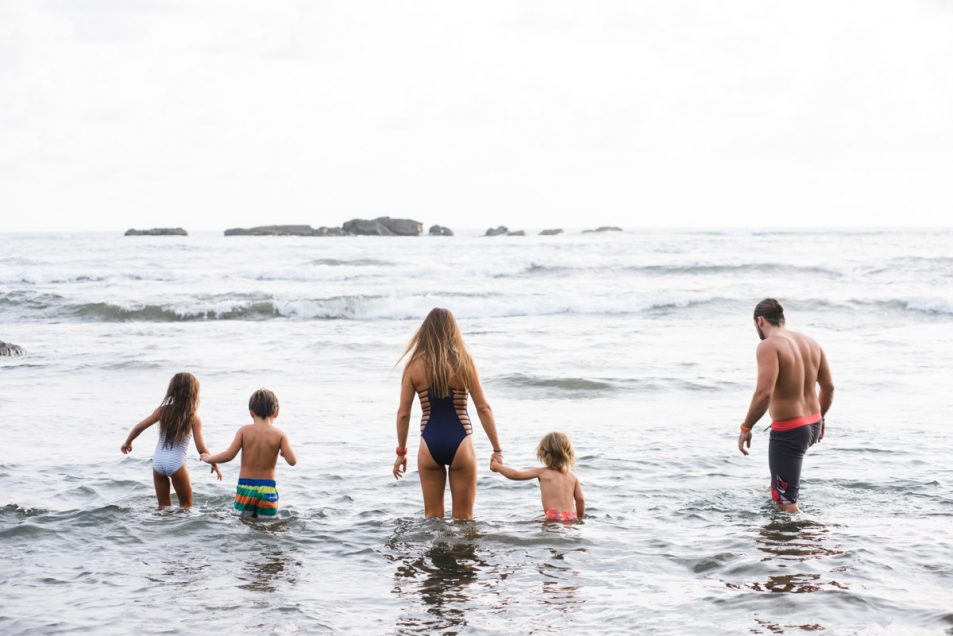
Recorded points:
(183, 487)
(162, 489)
(433, 481)
(463, 480)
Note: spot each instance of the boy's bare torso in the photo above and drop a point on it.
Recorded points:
(556, 489)
(261, 444)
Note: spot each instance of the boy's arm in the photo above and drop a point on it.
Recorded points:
(228, 454)
(580, 500)
(286, 451)
(137, 430)
(200, 444)
(516, 475)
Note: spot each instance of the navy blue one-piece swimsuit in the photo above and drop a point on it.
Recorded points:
(445, 423)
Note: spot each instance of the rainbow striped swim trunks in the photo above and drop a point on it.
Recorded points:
(256, 498)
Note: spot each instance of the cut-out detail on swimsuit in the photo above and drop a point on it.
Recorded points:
(444, 424)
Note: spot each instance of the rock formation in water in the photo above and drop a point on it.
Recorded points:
(439, 230)
(381, 226)
(271, 230)
(503, 231)
(603, 228)
(157, 231)
(7, 349)
(552, 232)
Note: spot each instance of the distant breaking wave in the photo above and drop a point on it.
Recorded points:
(699, 269)
(237, 306)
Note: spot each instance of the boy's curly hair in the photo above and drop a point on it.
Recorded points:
(556, 452)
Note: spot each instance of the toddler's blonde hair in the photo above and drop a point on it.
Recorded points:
(555, 450)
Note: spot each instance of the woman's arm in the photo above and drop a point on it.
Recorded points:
(403, 421)
(287, 452)
(200, 444)
(137, 430)
(228, 454)
(580, 500)
(485, 413)
(516, 475)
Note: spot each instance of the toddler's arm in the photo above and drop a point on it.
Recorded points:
(512, 473)
(228, 454)
(287, 452)
(580, 500)
(137, 429)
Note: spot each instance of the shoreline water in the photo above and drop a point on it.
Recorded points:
(680, 537)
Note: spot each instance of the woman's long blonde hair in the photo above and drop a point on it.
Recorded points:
(439, 344)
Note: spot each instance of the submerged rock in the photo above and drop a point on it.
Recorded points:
(7, 349)
(157, 231)
(603, 228)
(516, 233)
(439, 230)
(272, 230)
(552, 232)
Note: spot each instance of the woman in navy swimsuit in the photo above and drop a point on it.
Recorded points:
(441, 373)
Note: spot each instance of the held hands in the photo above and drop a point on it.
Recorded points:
(496, 460)
(205, 457)
(744, 439)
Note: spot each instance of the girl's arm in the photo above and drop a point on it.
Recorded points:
(137, 429)
(287, 452)
(512, 473)
(228, 454)
(200, 443)
(485, 413)
(403, 420)
(580, 500)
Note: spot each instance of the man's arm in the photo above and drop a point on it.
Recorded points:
(826, 384)
(768, 369)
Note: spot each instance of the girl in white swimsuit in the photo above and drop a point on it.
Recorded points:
(178, 425)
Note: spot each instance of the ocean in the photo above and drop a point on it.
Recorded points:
(639, 345)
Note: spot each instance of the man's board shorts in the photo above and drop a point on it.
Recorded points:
(256, 498)
(556, 515)
(790, 439)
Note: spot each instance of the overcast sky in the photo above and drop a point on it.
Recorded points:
(118, 113)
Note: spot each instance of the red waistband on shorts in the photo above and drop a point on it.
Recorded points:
(797, 422)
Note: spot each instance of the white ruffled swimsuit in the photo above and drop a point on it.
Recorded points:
(167, 460)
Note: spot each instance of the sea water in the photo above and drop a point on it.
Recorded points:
(639, 345)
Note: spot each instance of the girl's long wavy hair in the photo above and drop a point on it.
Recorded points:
(440, 345)
(178, 408)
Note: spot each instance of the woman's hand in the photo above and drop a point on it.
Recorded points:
(496, 458)
(400, 466)
(126, 448)
(216, 470)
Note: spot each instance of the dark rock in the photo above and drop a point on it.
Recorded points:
(604, 228)
(502, 230)
(158, 231)
(553, 232)
(272, 230)
(516, 233)
(401, 227)
(363, 227)
(7, 349)
(330, 231)
(439, 230)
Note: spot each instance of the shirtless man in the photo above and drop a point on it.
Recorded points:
(790, 364)
(260, 442)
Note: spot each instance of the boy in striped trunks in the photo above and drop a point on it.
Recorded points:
(791, 367)
(260, 443)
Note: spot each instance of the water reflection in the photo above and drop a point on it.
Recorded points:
(559, 594)
(786, 542)
(268, 562)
